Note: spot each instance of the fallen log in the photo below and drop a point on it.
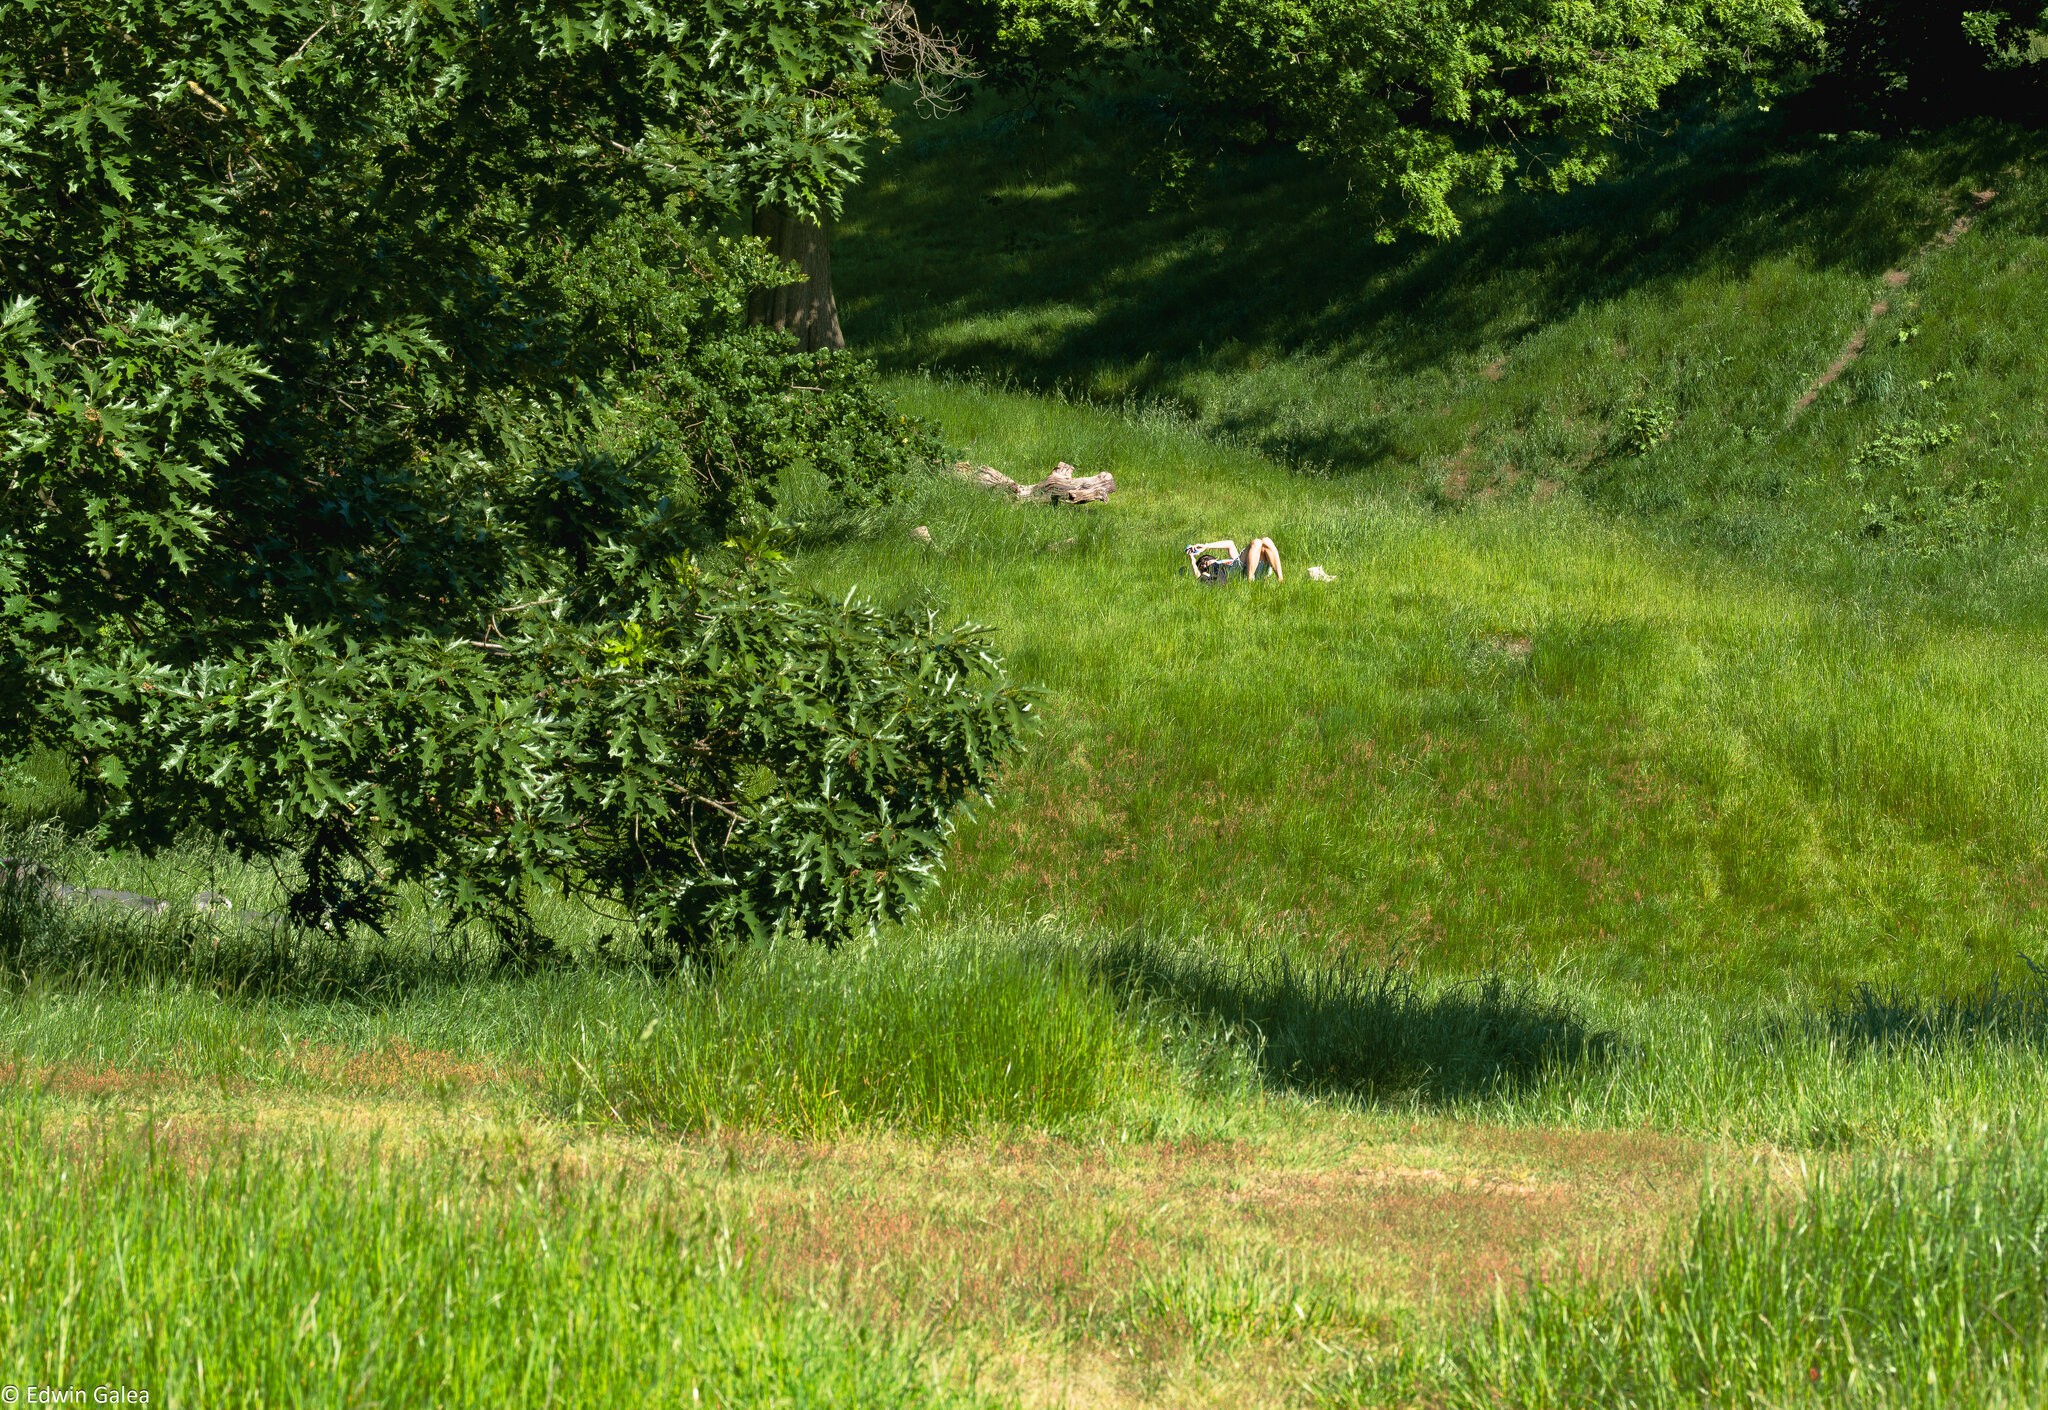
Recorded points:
(1063, 486)
(989, 478)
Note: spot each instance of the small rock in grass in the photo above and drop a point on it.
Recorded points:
(921, 534)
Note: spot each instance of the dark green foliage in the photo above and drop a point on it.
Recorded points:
(1914, 61)
(1639, 427)
(718, 759)
(1920, 509)
(303, 300)
(1419, 105)
(369, 379)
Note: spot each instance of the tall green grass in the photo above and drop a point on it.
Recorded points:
(1502, 740)
(1859, 1069)
(939, 1034)
(1879, 1285)
(922, 1032)
(1945, 1066)
(1004, 1028)
(207, 1274)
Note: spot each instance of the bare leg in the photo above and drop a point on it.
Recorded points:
(1263, 551)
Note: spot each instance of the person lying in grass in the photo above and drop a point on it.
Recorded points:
(1219, 562)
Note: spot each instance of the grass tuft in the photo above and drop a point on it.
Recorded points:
(1894, 1017)
(938, 1035)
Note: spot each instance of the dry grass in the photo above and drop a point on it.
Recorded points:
(1062, 1272)
(395, 1067)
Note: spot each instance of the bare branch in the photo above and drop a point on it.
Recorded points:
(923, 59)
(207, 98)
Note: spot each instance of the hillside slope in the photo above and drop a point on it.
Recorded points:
(1688, 538)
(1661, 346)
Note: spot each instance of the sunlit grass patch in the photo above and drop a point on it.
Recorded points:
(940, 1034)
(1500, 741)
(1881, 1284)
(207, 1273)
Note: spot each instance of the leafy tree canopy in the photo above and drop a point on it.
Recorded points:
(1418, 102)
(369, 373)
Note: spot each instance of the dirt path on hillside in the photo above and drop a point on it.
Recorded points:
(1894, 280)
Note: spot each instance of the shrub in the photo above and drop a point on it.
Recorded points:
(1640, 428)
(374, 377)
(722, 759)
(1925, 513)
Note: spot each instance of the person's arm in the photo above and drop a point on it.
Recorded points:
(1229, 548)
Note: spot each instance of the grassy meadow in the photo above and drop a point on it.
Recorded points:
(1583, 954)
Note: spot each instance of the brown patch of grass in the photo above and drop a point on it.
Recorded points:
(1960, 226)
(78, 1080)
(1050, 1242)
(1893, 279)
(400, 1066)
(1058, 1267)
(397, 1067)
(1456, 482)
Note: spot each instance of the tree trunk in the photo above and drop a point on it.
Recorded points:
(805, 308)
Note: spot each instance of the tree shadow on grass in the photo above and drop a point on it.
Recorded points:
(47, 940)
(1891, 1019)
(1361, 1031)
(1030, 253)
